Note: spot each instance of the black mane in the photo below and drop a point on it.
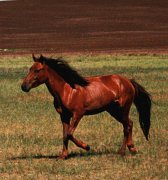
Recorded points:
(69, 75)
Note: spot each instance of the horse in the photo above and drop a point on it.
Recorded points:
(75, 96)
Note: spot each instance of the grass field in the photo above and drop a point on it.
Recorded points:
(31, 131)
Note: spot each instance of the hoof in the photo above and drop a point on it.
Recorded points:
(132, 149)
(87, 148)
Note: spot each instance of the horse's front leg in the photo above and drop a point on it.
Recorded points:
(64, 154)
(65, 118)
(74, 123)
(68, 130)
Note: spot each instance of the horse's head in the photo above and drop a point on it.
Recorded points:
(37, 75)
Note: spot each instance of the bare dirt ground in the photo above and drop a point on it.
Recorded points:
(87, 26)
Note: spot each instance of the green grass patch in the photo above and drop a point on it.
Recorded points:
(31, 131)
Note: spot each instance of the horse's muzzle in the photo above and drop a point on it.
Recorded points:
(25, 88)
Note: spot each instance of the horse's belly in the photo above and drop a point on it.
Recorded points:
(95, 111)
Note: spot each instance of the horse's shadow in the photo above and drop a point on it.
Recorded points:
(71, 155)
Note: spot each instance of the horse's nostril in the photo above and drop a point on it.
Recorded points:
(24, 88)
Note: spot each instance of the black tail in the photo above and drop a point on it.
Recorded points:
(142, 102)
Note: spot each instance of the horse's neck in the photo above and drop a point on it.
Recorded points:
(55, 84)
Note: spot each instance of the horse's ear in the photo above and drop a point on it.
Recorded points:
(42, 59)
(41, 56)
(35, 59)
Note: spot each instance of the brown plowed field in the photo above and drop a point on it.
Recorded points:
(74, 26)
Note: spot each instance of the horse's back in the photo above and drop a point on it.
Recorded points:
(113, 81)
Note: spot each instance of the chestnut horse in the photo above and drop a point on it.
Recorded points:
(76, 96)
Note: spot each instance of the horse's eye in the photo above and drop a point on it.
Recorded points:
(37, 70)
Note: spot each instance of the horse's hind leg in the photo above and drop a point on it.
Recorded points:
(127, 141)
(127, 128)
(118, 113)
(122, 115)
(130, 144)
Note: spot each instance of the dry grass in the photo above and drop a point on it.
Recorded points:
(31, 132)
